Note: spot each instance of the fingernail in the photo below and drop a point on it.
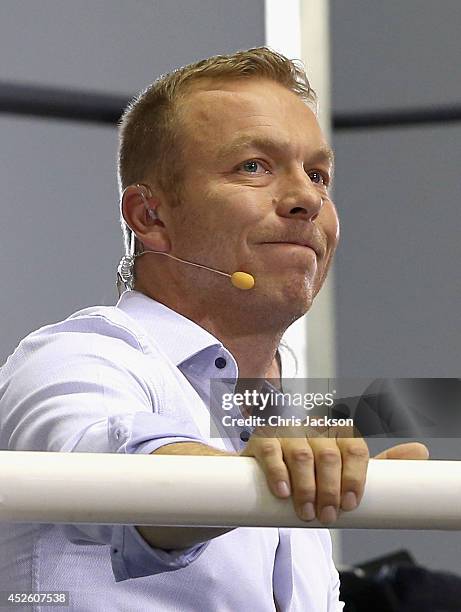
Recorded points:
(349, 501)
(282, 488)
(328, 514)
(308, 512)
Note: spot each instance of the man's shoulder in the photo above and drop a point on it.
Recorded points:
(89, 329)
(103, 320)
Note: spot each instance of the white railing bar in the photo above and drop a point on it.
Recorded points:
(215, 491)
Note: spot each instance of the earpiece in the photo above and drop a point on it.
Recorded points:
(144, 192)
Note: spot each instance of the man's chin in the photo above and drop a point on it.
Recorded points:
(293, 301)
(301, 291)
(276, 301)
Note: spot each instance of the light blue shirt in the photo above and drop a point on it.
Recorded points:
(130, 379)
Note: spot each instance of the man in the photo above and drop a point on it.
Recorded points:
(222, 164)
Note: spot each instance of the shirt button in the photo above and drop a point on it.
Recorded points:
(220, 362)
(245, 435)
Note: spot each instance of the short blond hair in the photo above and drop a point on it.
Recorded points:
(150, 127)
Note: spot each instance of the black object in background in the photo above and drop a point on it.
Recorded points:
(395, 583)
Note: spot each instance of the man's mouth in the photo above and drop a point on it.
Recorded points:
(299, 243)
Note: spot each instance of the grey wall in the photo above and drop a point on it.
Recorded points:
(398, 284)
(117, 46)
(59, 231)
(395, 54)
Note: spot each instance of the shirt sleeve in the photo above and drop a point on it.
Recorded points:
(86, 386)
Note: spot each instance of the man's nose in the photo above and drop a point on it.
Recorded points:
(301, 199)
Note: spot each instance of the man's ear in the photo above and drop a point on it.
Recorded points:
(140, 210)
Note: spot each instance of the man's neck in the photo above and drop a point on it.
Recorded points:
(253, 351)
(250, 340)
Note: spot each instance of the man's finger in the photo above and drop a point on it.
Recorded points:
(299, 458)
(355, 456)
(269, 455)
(409, 450)
(328, 467)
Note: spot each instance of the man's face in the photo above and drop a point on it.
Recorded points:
(255, 194)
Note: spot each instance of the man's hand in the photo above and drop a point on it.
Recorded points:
(322, 474)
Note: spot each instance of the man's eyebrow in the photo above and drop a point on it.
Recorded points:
(325, 153)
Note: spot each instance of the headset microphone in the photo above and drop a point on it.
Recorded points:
(240, 280)
(125, 271)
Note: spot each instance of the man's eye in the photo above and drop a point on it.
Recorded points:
(318, 178)
(252, 166)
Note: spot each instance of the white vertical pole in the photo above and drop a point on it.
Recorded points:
(315, 42)
(283, 34)
(300, 30)
(283, 27)
(321, 350)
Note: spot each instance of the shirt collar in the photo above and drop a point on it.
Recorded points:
(179, 337)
